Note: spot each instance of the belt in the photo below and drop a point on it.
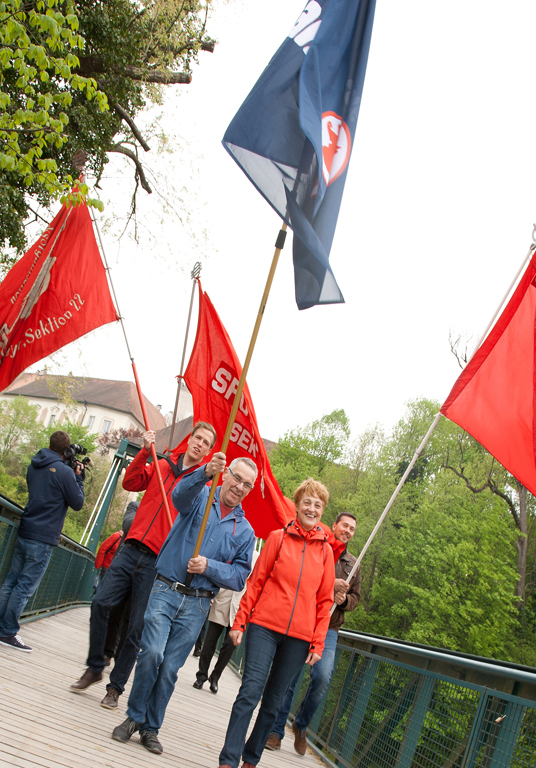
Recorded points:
(139, 546)
(178, 587)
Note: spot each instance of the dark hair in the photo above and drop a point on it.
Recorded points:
(205, 425)
(344, 514)
(59, 441)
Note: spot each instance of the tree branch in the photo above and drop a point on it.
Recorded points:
(490, 485)
(93, 65)
(123, 114)
(119, 148)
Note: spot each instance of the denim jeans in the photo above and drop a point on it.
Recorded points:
(131, 570)
(30, 560)
(172, 624)
(263, 646)
(321, 674)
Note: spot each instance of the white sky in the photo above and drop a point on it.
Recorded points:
(436, 219)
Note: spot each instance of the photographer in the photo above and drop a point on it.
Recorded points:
(52, 488)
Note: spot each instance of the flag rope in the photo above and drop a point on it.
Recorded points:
(196, 271)
(137, 381)
(280, 242)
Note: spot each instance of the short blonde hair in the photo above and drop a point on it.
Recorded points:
(311, 487)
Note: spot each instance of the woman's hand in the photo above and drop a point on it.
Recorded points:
(236, 636)
(311, 659)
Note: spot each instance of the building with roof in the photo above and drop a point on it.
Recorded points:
(101, 405)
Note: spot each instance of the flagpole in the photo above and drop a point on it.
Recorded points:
(280, 242)
(438, 416)
(196, 271)
(138, 387)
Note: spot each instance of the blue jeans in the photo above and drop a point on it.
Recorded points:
(263, 646)
(172, 624)
(321, 674)
(30, 560)
(130, 571)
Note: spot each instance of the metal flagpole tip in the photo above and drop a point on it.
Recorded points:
(196, 271)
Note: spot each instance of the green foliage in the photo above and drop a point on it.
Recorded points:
(448, 579)
(443, 568)
(39, 43)
(20, 435)
(73, 77)
(80, 435)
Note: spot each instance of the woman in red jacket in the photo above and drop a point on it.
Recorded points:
(287, 609)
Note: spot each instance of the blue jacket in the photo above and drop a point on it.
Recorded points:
(53, 487)
(227, 544)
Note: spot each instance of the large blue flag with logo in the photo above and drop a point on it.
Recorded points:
(293, 134)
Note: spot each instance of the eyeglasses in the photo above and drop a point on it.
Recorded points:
(240, 481)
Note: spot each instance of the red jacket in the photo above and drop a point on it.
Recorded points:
(150, 526)
(291, 587)
(107, 550)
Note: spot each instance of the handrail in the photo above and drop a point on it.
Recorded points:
(501, 668)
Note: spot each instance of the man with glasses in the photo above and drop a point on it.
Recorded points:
(175, 612)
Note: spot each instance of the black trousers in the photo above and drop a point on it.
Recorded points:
(209, 647)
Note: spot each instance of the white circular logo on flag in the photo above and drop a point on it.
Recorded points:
(336, 146)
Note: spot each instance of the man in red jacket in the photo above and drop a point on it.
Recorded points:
(133, 567)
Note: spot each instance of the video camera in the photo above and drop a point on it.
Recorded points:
(71, 460)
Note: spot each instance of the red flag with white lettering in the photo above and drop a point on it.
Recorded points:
(212, 377)
(56, 293)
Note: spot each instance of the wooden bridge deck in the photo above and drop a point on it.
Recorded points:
(44, 724)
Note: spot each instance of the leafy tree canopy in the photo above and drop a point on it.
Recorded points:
(72, 80)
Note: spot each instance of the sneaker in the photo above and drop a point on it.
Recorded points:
(300, 740)
(15, 642)
(110, 701)
(87, 679)
(273, 742)
(150, 741)
(124, 731)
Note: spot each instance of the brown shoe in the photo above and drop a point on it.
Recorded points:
(300, 741)
(273, 742)
(110, 701)
(87, 679)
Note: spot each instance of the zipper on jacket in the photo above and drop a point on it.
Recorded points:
(298, 587)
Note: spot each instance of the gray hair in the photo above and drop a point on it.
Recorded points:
(245, 460)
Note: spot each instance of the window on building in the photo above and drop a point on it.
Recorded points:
(91, 422)
(106, 426)
(52, 419)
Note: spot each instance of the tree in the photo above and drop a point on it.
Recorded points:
(314, 451)
(90, 70)
(38, 46)
(447, 577)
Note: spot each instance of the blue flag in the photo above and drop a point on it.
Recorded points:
(293, 134)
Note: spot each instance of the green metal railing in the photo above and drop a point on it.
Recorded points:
(68, 580)
(399, 705)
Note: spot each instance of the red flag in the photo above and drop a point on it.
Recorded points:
(494, 398)
(56, 293)
(212, 377)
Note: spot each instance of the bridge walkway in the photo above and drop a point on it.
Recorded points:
(45, 725)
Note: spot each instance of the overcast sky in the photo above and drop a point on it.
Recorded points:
(436, 218)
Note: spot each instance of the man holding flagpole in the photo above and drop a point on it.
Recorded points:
(176, 612)
(134, 567)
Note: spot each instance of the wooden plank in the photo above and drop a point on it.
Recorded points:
(46, 725)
